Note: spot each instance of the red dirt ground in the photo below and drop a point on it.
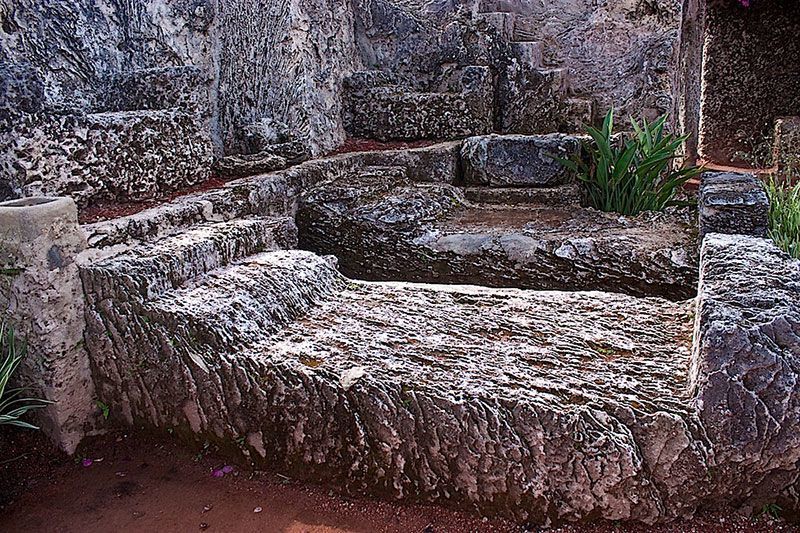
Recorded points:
(151, 483)
(108, 210)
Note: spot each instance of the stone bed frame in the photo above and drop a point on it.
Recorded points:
(733, 441)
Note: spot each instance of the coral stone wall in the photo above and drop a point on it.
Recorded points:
(751, 75)
(284, 60)
(620, 53)
(75, 45)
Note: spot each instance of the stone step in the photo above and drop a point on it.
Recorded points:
(248, 300)
(150, 269)
(548, 196)
(371, 173)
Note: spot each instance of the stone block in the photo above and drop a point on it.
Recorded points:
(733, 203)
(745, 366)
(532, 101)
(120, 156)
(517, 160)
(456, 106)
(42, 298)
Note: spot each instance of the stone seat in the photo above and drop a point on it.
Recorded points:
(433, 234)
(151, 269)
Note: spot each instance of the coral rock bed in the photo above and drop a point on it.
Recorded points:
(615, 397)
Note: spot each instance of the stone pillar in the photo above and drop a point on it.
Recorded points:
(733, 204)
(42, 298)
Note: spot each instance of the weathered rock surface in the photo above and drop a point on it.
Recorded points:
(380, 229)
(41, 297)
(745, 368)
(250, 165)
(550, 196)
(517, 160)
(750, 77)
(596, 43)
(284, 60)
(733, 203)
(786, 150)
(185, 88)
(439, 163)
(171, 262)
(352, 382)
(124, 156)
(380, 108)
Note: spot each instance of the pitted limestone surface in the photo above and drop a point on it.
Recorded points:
(382, 229)
(125, 155)
(746, 367)
(171, 262)
(507, 342)
(535, 405)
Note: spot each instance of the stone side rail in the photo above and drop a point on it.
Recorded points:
(746, 367)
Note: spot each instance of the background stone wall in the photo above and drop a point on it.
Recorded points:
(751, 76)
(75, 45)
(621, 53)
(284, 60)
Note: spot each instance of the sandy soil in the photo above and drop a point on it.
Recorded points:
(145, 483)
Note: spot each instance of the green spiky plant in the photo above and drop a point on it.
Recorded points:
(13, 405)
(784, 215)
(630, 174)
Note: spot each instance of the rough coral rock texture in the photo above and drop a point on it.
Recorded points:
(380, 109)
(330, 379)
(184, 88)
(77, 45)
(285, 61)
(745, 368)
(621, 53)
(281, 61)
(733, 203)
(786, 150)
(568, 405)
(42, 298)
(517, 160)
(382, 229)
(126, 155)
